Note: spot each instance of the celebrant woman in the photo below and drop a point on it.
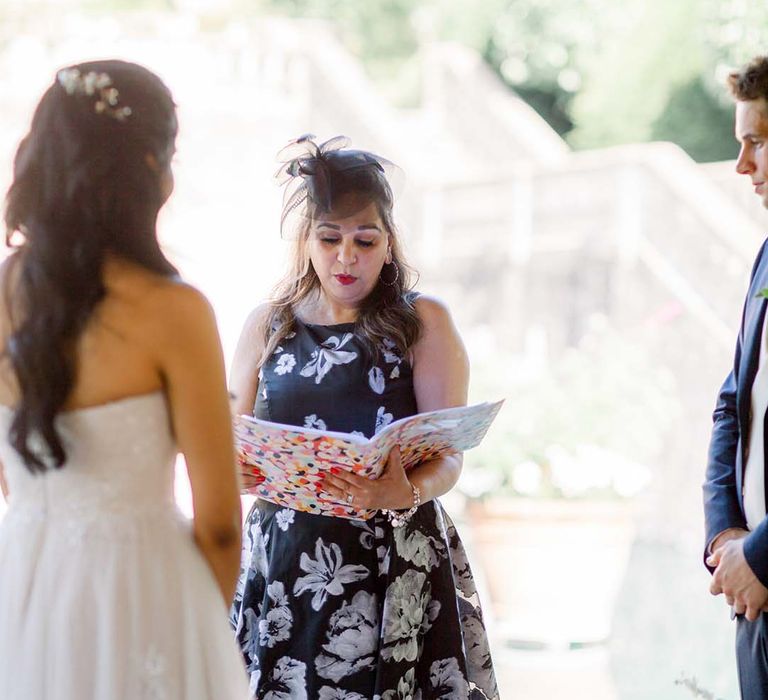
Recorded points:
(330, 607)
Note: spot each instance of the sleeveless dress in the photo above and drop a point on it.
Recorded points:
(103, 592)
(341, 609)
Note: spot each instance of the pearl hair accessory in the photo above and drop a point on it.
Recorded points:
(97, 85)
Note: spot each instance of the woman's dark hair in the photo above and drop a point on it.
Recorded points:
(332, 178)
(87, 181)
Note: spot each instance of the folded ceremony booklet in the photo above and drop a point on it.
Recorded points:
(293, 459)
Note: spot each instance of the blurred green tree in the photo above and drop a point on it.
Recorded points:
(380, 32)
(600, 72)
(697, 121)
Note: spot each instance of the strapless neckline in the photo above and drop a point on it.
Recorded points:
(124, 400)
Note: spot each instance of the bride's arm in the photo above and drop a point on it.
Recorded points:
(192, 365)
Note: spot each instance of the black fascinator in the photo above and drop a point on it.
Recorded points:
(329, 177)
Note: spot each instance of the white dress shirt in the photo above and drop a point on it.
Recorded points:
(754, 470)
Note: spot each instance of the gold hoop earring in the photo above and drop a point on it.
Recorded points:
(393, 283)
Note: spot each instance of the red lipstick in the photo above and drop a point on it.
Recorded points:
(345, 279)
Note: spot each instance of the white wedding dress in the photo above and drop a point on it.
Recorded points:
(103, 592)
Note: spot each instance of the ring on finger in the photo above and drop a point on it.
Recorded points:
(350, 498)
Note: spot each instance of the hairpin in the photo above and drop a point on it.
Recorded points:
(97, 85)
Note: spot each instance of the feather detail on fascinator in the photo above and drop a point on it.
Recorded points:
(326, 177)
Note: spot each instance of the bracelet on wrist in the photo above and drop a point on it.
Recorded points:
(398, 518)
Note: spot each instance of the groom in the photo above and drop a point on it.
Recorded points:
(735, 484)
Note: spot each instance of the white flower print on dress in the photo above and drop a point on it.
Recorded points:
(419, 549)
(359, 433)
(250, 640)
(254, 684)
(479, 663)
(325, 573)
(369, 533)
(368, 538)
(328, 693)
(285, 364)
(382, 554)
(284, 518)
(409, 612)
(447, 680)
(312, 421)
(352, 638)
(406, 688)
(326, 355)
(383, 419)
(255, 551)
(276, 625)
(262, 383)
(287, 680)
(376, 380)
(390, 352)
(462, 574)
(395, 373)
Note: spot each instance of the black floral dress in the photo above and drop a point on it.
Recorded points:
(341, 609)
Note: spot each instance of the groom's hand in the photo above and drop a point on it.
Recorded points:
(736, 580)
(732, 533)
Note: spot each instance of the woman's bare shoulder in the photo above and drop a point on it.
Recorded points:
(156, 310)
(256, 319)
(252, 336)
(432, 311)
(152, 293)
(179, 308)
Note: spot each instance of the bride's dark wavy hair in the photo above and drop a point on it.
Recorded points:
(84, 185)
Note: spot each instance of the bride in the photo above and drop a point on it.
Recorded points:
(110, 366)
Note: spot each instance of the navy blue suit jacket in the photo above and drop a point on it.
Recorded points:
(723, 502)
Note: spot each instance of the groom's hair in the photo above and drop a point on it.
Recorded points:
(751, 81)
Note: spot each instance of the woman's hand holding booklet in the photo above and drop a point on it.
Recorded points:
(285, 464)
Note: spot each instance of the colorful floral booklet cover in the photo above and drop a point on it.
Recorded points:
(293, 459)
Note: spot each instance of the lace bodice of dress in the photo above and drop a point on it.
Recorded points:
(120, 459)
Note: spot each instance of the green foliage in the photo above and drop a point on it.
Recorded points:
(600, 72)
(551, 103)
(380, 32)
(734, 30)
(698, 122)
(631, 78)
(536, 46)
(604, 393)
